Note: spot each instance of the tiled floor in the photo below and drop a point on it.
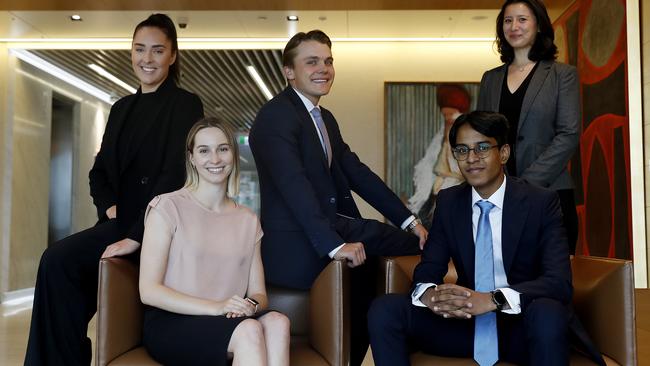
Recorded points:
(14, 327)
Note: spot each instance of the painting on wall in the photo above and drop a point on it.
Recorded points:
(418, 158)
(591, 36)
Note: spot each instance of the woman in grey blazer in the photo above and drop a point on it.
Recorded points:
(540, 98)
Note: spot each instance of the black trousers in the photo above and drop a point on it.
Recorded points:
(569, 217)
(379, 239)
(538, 336)
(65, 297)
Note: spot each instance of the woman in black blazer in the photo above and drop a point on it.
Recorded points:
(540, 98)
(141, 156)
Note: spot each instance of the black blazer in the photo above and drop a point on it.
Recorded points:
(533, 240)
(155, 163)
(301, 195)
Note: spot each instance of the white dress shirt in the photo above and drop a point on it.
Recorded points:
(309, 105)
(500, 279)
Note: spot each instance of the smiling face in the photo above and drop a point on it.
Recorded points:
(151, 57)
(519, 26)
(486, 174)
(212, 156)
(312, 73)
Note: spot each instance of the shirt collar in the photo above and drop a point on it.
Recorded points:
(308, 104)
(496, 198)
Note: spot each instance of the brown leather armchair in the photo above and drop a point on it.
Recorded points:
(603, 299)
(319, 326)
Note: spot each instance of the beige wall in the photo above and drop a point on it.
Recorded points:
(4, 156)
(30, 100)
(357, 97)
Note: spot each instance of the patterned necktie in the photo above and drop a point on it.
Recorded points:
(486, 344)
(325, 141)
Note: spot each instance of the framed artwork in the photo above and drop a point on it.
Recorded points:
(418, 162)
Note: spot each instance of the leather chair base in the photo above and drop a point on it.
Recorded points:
(135, 357)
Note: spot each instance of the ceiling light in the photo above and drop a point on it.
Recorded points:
(292, 18)
(101, 71)
(252, 71)
(75, 18)
(59, 73)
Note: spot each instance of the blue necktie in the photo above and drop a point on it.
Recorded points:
(486, 344)
(323, 131)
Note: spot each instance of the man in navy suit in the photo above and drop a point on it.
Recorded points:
(524, 311)
(307, 173)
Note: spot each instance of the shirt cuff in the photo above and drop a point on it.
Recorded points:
(514, 300)
(419, 290)
(407, 222)
(335, 250)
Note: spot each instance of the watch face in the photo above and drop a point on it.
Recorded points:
(500, 298)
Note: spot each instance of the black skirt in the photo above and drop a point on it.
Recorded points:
(177, 339)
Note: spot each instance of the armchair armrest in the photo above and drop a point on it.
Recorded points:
(328, 300)
(398, 273)
(604, 301)
(119, 310)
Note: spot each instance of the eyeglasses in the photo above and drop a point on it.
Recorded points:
(482, 149)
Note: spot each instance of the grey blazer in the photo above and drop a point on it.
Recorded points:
(549, 124)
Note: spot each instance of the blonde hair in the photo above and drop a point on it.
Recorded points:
(192, 175)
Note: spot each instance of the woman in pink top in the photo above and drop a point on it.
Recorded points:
(201, 272)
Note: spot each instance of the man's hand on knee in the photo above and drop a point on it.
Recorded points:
(353, 253)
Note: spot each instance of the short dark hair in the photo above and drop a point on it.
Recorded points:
(289, 53)
(490, 124)
(166, 25)
(544, 47)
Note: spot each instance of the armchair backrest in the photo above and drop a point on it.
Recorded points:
(119, 310)
(603, 297)
(317, 316)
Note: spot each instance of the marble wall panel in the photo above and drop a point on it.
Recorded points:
(30, 149)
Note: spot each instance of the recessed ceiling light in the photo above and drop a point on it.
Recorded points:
(479, 17)
(292, 18)
(322, 18)
(75, 18)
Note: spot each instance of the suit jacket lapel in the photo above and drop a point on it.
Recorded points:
(462, 215)
(533, 89)
(166, 90)
(515, 212)
(308, 123)
(495, 88)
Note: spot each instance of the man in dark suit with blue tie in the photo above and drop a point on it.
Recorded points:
(506, 239)
(307, 173)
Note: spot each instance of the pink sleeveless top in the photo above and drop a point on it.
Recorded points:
(211, 253)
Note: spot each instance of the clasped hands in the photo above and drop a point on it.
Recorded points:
(453, 301)
(236, 307)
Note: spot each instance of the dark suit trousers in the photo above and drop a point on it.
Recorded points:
(379, 239)
(65, 297)
(536, 337)
(569, 217)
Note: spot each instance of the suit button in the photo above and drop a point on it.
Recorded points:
(144, 180)
(520, 138)
(332, 200)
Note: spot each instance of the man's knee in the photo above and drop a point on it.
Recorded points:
(387, 311)
(546, 319)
